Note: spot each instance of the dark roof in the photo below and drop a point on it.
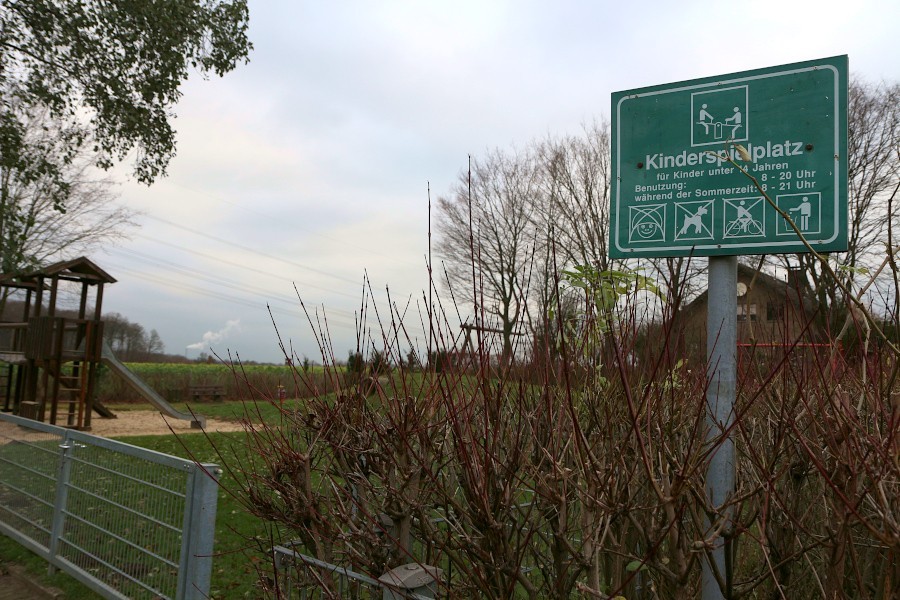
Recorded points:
(745, 272)
(77, 269)
(14, 280)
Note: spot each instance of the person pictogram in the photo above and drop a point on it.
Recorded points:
(719, 115)
(744, 219)
(734, 121)
(706, 119)
(805, 210)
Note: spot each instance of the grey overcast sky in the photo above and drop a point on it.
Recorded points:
(309, 166)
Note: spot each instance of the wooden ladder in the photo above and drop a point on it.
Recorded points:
(6, 378)
(70, 392)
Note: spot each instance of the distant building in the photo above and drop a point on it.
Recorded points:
(770, 311)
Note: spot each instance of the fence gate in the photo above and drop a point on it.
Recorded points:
(125, 521)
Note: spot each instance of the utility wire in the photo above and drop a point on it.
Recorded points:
(275, 219)
(251, 250)
(220, 281)
(340, 321)
(231, 263)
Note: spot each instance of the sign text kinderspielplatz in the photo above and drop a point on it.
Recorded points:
(674, 193)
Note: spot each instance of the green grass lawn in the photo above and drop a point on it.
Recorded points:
(230, 410)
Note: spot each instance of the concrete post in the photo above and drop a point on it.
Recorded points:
(411, 578)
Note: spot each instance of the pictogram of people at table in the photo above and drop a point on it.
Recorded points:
(722, 128)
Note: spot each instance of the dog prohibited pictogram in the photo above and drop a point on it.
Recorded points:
(696, 219)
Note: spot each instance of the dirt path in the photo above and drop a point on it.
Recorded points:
(128, 422)
(151, 422)
(17, 584)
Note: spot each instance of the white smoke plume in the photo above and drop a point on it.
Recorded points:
(212, 337)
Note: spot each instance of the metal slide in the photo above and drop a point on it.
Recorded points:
(148, 393)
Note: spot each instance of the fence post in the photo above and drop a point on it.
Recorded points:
(195, 565)
(60, 501)
(411, 578)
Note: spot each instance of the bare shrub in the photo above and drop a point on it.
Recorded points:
(581, 473)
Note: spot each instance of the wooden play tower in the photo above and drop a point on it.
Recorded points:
(49, 357)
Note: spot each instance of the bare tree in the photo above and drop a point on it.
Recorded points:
(36, 226)
(576, 180)
(485, 232)
(574, 221)
(155, 344)
(534, 214)
(873, 176)
(576, 215)
(571, 224)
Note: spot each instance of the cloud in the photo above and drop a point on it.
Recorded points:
(318, 151)
(210, 337)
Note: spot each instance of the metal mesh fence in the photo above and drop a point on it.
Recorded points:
(126, 521)
(28, 469)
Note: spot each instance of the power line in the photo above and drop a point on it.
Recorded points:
(326, 317)
(199, 275)
(335, 317)
(231, 263)
(275, 219)
(251, 250)
(344, 322)
(220, 281)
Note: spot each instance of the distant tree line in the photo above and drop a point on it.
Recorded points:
(132, 343)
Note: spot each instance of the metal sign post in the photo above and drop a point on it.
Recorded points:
(721, 352)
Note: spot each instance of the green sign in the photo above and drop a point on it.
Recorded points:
(675, 193)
